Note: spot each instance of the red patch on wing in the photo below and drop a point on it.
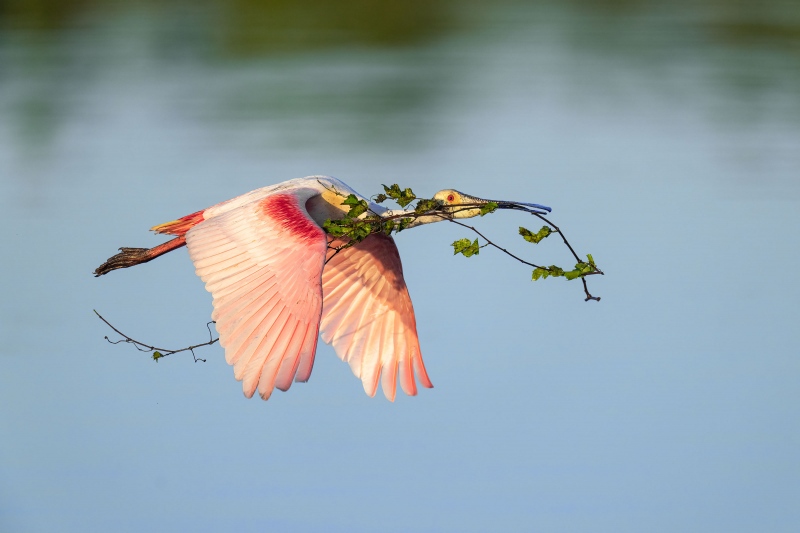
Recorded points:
(284, 209)
(181, 226)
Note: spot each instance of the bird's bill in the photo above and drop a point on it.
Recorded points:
(505, 204)
(524, 206)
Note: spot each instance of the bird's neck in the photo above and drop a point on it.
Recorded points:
(326, 206)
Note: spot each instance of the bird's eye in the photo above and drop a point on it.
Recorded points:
(450, 197)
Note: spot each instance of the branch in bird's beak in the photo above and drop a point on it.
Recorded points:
(519, 206)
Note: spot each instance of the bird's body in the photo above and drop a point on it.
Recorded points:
(277, 282)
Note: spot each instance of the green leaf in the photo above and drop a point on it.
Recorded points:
(526, 233)
(388, 227)
(466, 247)
(591, 260)
(393, 191)
(406, 198)
(334, 227)
(157, 355)
(357, 210)
(361, 231)
(351, 200)
(460, 245)
(357, 206)
(403, 198)
(423, 206)
(539, 272)
(379, 199)
(580, 270)
(489, 207)
(537, 237)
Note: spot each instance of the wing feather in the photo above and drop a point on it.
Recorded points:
(230, 282)
(240, 333)
(368, 317)
(419, 367)
(287, 370)
(258, 344)
(307, 352)
(305, 364)
(370, 359)
(262, 261)
(268, 355)
(268, 381)
(389, 363)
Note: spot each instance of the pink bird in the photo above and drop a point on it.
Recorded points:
(277, 283)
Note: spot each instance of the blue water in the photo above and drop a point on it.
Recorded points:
(667, 144)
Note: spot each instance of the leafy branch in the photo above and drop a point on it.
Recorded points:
(158, 353)
(360, 222)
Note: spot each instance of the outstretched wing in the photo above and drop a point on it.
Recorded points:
(262, 262)
(368, 318)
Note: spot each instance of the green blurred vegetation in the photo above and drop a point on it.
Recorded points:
(383, 72)
(252, 27)
(41, 15)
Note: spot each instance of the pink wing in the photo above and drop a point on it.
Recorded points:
(262, 262)
(368, 318)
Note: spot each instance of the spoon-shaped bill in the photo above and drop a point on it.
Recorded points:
(524, 206)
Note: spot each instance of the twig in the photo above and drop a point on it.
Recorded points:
(557, 230)
(586, 288)
(490, 243)
(583, 278)
(336, 249)
(158, 353)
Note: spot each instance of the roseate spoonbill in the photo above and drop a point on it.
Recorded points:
(277, 282)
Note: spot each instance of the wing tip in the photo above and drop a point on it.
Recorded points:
(266, 392)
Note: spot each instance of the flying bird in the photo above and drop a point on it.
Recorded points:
(278, 280)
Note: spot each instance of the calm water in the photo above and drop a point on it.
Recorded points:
(667, 139)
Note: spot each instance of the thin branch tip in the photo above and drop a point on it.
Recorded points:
(158, 353)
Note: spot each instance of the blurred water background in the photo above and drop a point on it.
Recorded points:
(665, 135)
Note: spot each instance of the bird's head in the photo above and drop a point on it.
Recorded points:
(460, 205)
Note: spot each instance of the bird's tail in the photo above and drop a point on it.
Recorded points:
(181, 226)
